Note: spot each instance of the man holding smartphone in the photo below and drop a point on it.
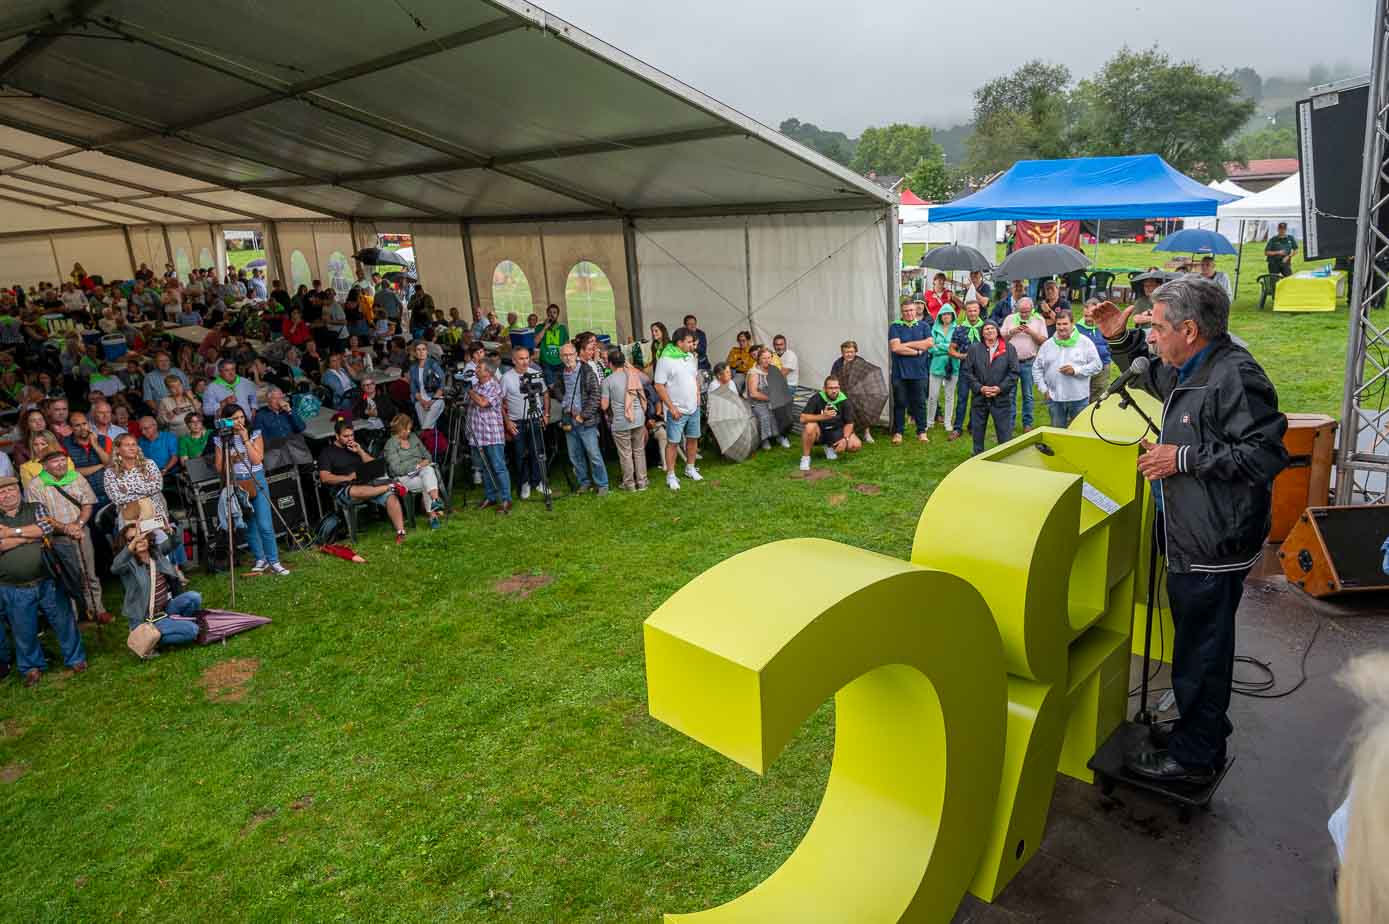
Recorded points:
(337, 468)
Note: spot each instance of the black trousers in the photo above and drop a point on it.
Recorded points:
(981, 409)
(1203, 663)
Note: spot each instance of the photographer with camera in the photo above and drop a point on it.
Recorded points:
(525, 412)
(162, 594)
(244, 451)
(337, 469)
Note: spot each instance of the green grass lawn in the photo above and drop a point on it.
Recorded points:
(239, 258)
(417, 745)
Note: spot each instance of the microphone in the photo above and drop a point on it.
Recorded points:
(1137, 368)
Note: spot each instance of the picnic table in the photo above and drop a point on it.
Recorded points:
(194, 335)
(1309, 291)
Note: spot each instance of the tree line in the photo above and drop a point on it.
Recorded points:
(1138, 102)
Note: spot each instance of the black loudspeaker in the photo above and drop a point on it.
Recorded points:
(1331, 147)
(286, 497)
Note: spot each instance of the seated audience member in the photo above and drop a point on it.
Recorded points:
(121, 415)
(787, 360)
(828, 420)
(155, 385)
(55, 411)
(759, 400)
(136, 486)
(487, 435)
(624, 399)
(6, 466)
(276, 420)
(105, 381)
(175, 406)
(740, 358)
(159, 446)
(338, 380)
(102, 420)
(30, 422)
(244, 451)
(372, 409)
(722, 377)
(26, 590)
(426, 386)
(40, 444)
(228, 388)
(132, 565)
(337, 469)
(197, 441)
(90, 454)
(409, 462)
(69, 502)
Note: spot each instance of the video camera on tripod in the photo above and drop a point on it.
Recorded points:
(460, 382)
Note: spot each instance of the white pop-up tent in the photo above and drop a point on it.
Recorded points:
(1263, 212)
(1231, 228)
(491, 131)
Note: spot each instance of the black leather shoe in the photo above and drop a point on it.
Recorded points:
(1160, 734)
(1162, 768)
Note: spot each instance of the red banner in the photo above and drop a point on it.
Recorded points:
(1047, 232)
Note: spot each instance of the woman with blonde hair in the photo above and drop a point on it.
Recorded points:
(40, 444)
(408, 462)
(135, 485)
(1363, 890)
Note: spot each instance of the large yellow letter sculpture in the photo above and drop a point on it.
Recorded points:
(963, 680)
(914, 664)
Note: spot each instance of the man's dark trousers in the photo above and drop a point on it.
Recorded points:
(981, 409)
(1203, 663)
(961, 402)
(909, 396)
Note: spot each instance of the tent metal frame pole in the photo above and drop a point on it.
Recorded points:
(1239, 255)
(1361, 473)
(747, 267)
(130, 249)
(629, 247)
(470, 265)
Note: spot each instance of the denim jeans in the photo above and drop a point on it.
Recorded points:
(1063, 412)
(496, 480)
(586, 456)
(909, 395)
(260, 525)
(180, 631)
(961, 402)
(1025, 383)
(22, 606)
(525, 452)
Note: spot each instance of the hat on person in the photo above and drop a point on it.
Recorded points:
(9, 481)
(987, 322)
(51, 453)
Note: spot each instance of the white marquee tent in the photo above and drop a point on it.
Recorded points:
(490, 130)
(1229, 227)
(1280, 202)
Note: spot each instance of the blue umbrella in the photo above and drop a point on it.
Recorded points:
(257, 264)
(1197, 240)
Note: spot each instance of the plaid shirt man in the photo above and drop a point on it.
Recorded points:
(485, 423)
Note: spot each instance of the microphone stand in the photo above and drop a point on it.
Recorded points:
(1126, 401)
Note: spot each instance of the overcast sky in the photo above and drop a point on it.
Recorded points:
(845, 65)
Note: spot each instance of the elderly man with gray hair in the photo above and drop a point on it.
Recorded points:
(276, 420)
(1212, 471)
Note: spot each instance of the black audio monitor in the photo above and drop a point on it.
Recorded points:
(1331, 147)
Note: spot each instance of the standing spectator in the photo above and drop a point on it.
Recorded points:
(1009, 303)
(548, 339)
(228, 388)
(827, 420)
(701, 343)
(660, 337)
(55, 411)
(1086, 325)
(410, 463)
(790, 362)
(487, 435)
(159, 446)
(421, 311)
(992, 370)
(944, 367)
(1280, 250)
(965, 334)
(624, 400)
(132, 564)
(677, 383)
(387, 302)
(978, 291)
(426, 386)
(526, 439)
(909, 341)
(40, 445)
(1064, 366)
(136, 486)
(581, 401)
(1025, 331)
(1052, 302)
(26, 590)
(938, 297)
(69, 501)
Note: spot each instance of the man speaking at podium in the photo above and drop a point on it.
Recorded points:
(1212, 473)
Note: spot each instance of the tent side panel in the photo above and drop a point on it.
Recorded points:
(148, 243)
(695, 266)
(101, 253)
(296, 237)
(600, 243)
(28, 261)
(521, 245)
(333, 245)
(442, 269)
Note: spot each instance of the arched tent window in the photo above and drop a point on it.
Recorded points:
(511, 291)
(340, 275)
(299, 271)
(182, 264)
(588, 295)
(205, 259)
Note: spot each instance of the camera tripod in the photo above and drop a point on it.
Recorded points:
(457, 414)
(534, 423)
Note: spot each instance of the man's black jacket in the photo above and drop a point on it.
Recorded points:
(1225, 423)
(981, 368)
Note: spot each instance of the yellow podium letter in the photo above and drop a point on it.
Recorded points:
(913, 660)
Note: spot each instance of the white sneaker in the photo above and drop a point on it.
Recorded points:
(868, 436)
(766, 444)
(693, 474)
(525, 491)
(805, 463)
(279, 569)
(783, 442)
(260, 566)
(477, 477)
(830, 453)
(672, 482)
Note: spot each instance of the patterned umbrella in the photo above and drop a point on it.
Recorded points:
(866, 387)
(219, 625)
(731, 421)
(780, 401)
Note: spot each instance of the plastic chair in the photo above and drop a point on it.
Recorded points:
(1099, 282)
(1075, 283)
(1268, 286)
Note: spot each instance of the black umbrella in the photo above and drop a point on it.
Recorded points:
(396, 277)
(866, 387)
(779, 399)
(957, 257)
(379, 256)
(1041, 260)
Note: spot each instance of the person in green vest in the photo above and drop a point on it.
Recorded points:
(551, 336)
(1280, 250)
(828, 420)
(965, 334)
(945, 368)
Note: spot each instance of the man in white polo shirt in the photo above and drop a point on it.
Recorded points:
(677, 382)
(789, 361)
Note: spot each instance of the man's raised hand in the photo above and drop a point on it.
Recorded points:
(1110, 320)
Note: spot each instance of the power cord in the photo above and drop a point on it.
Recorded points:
(1257, 689)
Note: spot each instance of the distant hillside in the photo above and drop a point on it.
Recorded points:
(953, 141)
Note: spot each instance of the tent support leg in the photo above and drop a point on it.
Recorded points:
(747, 267)
(465, 231)
(1239, 255)
(629, 246)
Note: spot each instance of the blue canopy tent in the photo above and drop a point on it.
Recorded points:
(1137, 186)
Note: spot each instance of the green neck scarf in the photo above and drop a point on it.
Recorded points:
(974, 329)
(232, 384)
(673, 352)
(1069, 341)
(833, 402)
(1018, 319)
(1081, 325)
(62, 482)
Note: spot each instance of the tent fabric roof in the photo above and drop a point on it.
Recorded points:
(1282, 200)
(1140, 186)
(134, 111)
(907, 197)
